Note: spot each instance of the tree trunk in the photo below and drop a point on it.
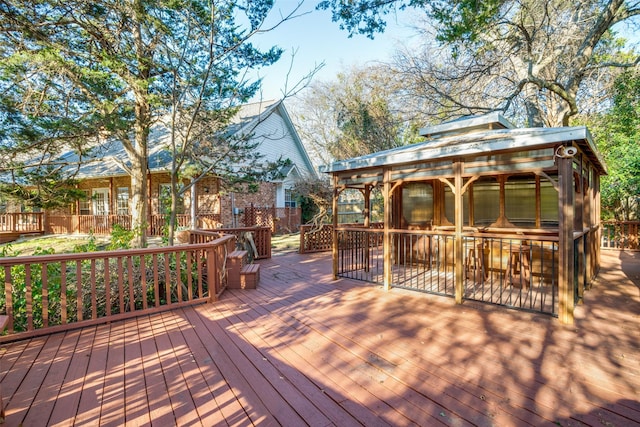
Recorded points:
(139, 200)
(138, 156)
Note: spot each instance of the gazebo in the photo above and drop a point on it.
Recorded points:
(480, 210)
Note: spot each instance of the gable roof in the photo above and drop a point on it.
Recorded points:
(109, 159)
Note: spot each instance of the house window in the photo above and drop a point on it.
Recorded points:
(417, 203)
(100, 200)
(85, 204)
(289, 201)
(548, 203)
(486, 201)
(122, 201)
(520, 201)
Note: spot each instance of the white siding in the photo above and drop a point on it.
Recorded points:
(277, 142)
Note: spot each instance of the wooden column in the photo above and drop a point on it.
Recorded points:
(458, 242)
(579, 209)
(565, 244)
(334, 231)
(367, 206)
(386, 239)
(367, 223)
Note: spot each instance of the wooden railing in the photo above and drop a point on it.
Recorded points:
(26, 222)
(280, 220)
(103, 224)
(50, 293)
(261, 237)
(622, 235)
(314, 239)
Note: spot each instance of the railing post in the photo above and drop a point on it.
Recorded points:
(212, 274)
(458, 242)
(334, 230)
(386, 242)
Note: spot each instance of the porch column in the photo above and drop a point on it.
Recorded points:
(458, 242)
(386, 237)
(367, 202)
(565, 243)
(334, 231)
(367, 223)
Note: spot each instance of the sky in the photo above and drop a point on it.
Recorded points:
(316, 39)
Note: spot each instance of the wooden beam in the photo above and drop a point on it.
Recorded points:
(565, 243)
(386, 240)
(334, 232)
(459, 222)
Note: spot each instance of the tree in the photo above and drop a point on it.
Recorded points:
(84, 71)
(353, 115)
(540, 59)
(617, 132)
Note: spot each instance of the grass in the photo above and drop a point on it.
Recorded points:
(66, 243)
(286, 242)
(26, 246)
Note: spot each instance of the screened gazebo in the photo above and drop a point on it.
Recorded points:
(479, 211)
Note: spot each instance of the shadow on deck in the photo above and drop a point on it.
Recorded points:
(303, 349)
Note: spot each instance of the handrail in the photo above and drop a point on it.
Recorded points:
(26, 222)
(261, 237)
(49, 293)
(620, 235)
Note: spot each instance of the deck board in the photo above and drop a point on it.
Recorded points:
(302, 349)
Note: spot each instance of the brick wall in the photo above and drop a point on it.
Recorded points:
(265, 196)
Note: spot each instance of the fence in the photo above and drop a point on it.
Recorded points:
(24, 222)
(514, 271)
(313, 239)
(261, 237)
(280, 220)
(622, 235)
(49, 293)
(103, 224)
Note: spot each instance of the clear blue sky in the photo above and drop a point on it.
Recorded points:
(316, 39)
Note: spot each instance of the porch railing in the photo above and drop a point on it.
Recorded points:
(103, 224)
(25, 222)
(314, 239)
(280, 220)
(623, 235)
(49, 293)
(261, 237)
(510, 270)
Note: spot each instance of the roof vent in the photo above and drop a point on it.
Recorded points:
(467, 124)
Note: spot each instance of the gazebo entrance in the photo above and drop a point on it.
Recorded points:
(479, 211)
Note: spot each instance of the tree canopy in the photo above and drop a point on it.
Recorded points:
(543, 61)
(76, 73)
(617, 133)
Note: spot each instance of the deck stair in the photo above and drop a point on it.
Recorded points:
(241, 274)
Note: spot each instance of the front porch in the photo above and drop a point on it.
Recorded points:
(303, 349)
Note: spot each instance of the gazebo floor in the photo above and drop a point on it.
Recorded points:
(305, 350)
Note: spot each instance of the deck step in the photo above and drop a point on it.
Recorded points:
(241, 274)
(250, 276)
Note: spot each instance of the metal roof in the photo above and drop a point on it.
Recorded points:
(476, 143)
(467, 124)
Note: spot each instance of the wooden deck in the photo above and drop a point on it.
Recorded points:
(305, 350)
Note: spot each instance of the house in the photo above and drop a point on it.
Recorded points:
(480, 211)
(107, 184)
